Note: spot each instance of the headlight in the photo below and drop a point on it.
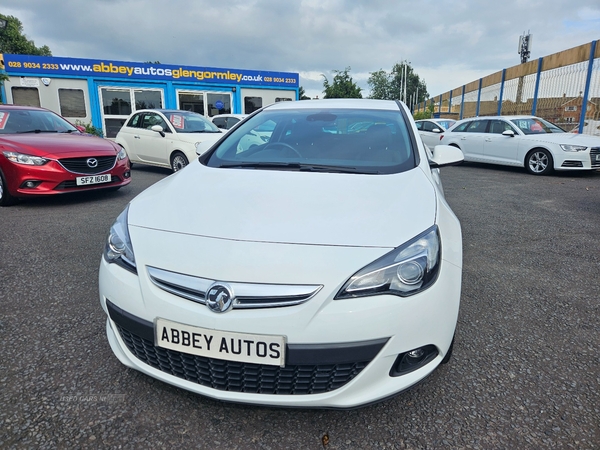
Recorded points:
(20, 158)
(406, 270)
(573, 148)
(118, 248)
(122, 154)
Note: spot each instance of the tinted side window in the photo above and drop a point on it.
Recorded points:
(461, 127)
(221, 122)
(477, 126)
(499, 127)
(151, 119)
(231, 121)
(429, 126)
(135, 121)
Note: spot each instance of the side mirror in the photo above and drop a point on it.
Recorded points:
(509, 133)
(158, 129)
(81, 129)
(436, 130)
(446, 155)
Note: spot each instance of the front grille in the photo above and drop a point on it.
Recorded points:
(243, 377)
(309, 369)
(72, 184)
(594, 152)
(80, 165)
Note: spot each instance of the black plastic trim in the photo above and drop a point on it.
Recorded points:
(297, 354)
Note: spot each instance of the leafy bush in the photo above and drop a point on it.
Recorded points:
(90, 129)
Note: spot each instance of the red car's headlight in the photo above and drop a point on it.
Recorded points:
(20, 158)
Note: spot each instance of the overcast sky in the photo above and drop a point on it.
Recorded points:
(448, 43)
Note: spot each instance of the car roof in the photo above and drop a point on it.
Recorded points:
(165, 111)
(21, 107)
(500, 117)
(340, 103)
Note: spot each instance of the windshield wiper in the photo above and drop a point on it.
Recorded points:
(37, 131)
(296, 166)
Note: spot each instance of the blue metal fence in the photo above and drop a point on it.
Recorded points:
(563, 88)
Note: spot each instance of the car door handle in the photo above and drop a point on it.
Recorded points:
(488, 140)
(136, 137)
(463, 138)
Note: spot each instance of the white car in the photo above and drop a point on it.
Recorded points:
(317, 269)
(430, 130)
(166, 137)
(523, 141)
(226, 121)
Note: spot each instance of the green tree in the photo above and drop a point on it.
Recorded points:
(342, 85)
(12, 40)
(390, 86)
(302, 94)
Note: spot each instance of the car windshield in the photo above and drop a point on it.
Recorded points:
(535, 125)
(332, 140)
(191, 122)
(33, 121)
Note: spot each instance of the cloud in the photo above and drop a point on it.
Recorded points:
(447, 43)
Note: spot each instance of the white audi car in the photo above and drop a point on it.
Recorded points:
(523, 141)
(166, 137)
(321, 268)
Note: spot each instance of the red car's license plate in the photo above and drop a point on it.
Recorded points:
(94, 179)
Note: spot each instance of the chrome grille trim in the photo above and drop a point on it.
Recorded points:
(594, 152)
(247, 295)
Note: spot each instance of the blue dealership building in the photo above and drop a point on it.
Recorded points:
(104, 93)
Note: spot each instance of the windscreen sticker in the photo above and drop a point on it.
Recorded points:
(3, 118)
(177, 120)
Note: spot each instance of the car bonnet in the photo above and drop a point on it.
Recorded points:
(289, 207)
(58, 145)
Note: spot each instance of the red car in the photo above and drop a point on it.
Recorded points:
(42, 154)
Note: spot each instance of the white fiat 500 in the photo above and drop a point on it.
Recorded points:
(318, 268)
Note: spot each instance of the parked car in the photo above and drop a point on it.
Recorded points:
(317, 269)
(226, 121)
(430, 129)
(166, 137)
(523, 141)
(41, 153)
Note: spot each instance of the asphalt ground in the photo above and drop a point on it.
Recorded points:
(525, 371)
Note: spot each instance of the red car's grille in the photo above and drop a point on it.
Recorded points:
(89, 165)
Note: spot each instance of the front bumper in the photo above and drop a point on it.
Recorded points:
(52, 178)
(340, 352)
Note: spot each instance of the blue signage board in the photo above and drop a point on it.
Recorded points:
(48, 66)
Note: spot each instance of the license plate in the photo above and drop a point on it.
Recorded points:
(598, 157)
(227, 345)
(94, 179)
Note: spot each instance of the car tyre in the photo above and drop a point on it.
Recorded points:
(539, 162)
(5, 198)
(178, 161)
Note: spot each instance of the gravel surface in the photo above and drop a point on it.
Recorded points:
(525, 371)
